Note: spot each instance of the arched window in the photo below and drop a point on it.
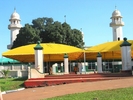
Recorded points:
(118, 38)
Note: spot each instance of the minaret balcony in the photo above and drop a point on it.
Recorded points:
(14, 26)
(116, 24)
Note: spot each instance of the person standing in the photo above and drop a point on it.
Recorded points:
(80, 67)
(75, 69)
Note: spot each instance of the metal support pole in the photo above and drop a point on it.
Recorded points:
(84, 61)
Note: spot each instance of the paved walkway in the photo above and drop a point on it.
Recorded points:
(58, 90)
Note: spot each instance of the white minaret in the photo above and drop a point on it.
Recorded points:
(82, 34)
(14, 26)
(116, 25)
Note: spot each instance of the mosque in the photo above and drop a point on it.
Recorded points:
(116, 25)
(19, 69)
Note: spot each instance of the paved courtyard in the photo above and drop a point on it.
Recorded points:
(58, 90)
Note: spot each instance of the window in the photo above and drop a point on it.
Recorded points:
(91, 65)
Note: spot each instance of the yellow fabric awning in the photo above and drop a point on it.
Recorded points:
(108, 46)
(55, 52)
(51, 51)
(109, 50)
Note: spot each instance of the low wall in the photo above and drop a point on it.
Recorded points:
(36, 74)
(16, 73)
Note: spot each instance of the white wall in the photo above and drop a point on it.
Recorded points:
(18, 70)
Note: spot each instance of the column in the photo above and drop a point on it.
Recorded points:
(126, 55)
(29, 71)
(39, 57)
(54, 68)
(19, 73)
(99, 63)
(12, 67)
(66, 64)
(22, 66)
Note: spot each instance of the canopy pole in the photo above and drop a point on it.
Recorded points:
(84, 61)
(113, 60)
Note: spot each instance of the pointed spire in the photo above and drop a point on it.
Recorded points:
(115, 7)
(14, 9)
(81, 29)
(65, 18)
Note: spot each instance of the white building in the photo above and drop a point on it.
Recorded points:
(116, 25)
(14, 27)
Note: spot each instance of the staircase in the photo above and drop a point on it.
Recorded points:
(72, 78)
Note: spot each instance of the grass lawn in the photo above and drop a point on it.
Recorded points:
(11, 83)
(115, 94)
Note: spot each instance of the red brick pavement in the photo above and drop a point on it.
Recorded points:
(58, 90)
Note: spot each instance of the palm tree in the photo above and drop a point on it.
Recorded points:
(5, 73)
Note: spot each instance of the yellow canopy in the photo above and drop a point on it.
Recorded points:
(105, 55)
(55, 52)
(51, 51)
(109, 50)
(108, 46)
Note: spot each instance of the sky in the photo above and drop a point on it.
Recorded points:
(93, 16)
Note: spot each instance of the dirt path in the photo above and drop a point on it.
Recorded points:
(52, 91)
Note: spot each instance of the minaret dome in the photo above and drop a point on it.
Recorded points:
(116, 13)
(14, 16)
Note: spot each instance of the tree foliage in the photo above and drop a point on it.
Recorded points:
(47, 30)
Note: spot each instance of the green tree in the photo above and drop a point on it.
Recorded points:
(77, 38)
(27, 35)
(47, 30)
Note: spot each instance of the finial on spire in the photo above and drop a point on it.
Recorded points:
(115, 7)
(65, 18)
(14, 9)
